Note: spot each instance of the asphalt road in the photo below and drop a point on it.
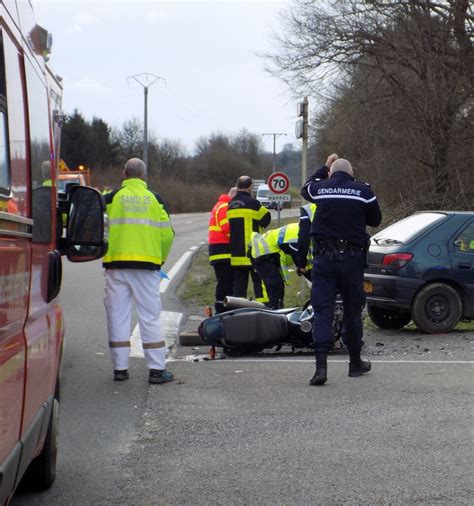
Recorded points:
(100, 418)
(251, 430)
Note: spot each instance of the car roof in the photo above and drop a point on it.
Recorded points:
(447, 212)
(69, 176)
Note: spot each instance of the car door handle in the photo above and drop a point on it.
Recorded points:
(464, 265)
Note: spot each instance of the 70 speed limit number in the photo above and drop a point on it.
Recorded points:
(278, 183)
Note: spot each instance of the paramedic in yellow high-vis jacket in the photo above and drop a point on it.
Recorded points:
(140, 238)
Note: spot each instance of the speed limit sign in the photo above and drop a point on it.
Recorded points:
(278, 183)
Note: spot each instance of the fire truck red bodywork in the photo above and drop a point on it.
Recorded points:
(31, 320)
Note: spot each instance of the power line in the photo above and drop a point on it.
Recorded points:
(275, 135)
(145, 80)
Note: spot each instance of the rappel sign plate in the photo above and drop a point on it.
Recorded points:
(278, 183)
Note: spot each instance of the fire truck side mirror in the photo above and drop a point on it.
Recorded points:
(85, 225)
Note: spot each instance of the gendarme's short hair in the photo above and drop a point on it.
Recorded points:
(341, 165)
(244, 182)
(135, 168)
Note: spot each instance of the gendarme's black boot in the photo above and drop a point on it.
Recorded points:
(357, 366)
(321, 375)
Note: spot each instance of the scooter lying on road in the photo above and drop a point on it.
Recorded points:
(250, 327)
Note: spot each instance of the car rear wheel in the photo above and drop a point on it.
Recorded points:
(388, 319)
(437, 308)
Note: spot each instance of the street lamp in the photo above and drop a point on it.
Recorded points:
(145, 80)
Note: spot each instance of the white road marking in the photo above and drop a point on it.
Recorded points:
(193, 248)
(171, 322)
(164, 283)
(191, 358)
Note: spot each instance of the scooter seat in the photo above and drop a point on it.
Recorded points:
(254, 329)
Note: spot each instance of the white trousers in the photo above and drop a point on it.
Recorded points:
(143, 286)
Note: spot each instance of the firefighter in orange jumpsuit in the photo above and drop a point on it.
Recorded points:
(219, 249)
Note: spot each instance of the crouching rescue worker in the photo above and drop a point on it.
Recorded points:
(219, 249)
(140, 238)
(246, 215)
(345, 208)
(272, 254)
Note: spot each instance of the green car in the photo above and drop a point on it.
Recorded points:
(421, 268)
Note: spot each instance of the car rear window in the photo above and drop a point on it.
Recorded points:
(404, 231)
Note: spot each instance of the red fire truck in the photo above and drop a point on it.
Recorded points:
(32, 242)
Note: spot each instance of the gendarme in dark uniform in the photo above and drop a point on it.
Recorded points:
(345, 208)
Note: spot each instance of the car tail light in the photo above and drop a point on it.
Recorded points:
(396, 260)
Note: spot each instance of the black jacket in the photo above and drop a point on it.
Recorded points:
(245, 215)
(345, 207)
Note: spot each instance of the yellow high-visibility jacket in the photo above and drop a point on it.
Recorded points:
(282, 241)
(140, 231)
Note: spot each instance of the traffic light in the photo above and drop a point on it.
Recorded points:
(301, 127)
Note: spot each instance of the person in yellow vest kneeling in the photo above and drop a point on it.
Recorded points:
(272, 254)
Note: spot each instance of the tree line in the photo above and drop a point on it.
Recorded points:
(393, 87)
(217, 161)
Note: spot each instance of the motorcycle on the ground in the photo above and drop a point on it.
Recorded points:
(249, 327)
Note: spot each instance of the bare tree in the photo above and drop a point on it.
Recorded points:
(415, 57)
(130, 138)
(171, 157)
(223, 158)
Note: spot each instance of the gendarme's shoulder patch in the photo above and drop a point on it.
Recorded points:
(361, 182)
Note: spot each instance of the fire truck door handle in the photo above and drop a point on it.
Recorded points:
(54, 274)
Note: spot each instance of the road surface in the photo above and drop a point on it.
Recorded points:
(251, 430)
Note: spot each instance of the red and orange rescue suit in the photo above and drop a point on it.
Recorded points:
(219, 250)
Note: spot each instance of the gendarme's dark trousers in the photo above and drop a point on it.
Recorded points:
(333, 271)
(225, 278)
(241, 281)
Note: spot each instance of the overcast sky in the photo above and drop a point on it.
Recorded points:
(204, 50)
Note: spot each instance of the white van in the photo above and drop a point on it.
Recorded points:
(263, 192)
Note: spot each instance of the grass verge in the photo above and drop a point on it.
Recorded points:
(199, 285)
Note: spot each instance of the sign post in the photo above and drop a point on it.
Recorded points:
(279, 184)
